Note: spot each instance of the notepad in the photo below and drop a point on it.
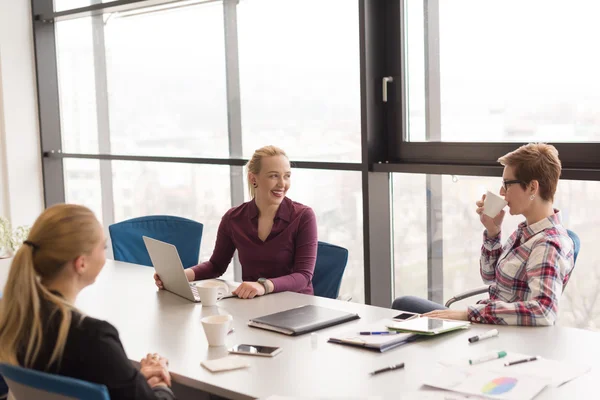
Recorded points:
(379, 343)
(300, 320)
(227, 363)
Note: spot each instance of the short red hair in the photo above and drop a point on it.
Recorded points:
(536, 161)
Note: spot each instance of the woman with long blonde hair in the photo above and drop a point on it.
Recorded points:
(40, 327)
(276, 238)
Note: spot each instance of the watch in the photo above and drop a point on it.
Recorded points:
(263, 281)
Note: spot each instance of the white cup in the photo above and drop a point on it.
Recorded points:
(216, 328)
(493, 204)
(210, 292)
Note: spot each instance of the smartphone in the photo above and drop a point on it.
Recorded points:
(406, 316)
(255, 350)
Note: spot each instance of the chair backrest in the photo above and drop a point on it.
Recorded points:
(329, 269)
(183, 233)
(3, 388)
(576, 246)
(27, 384)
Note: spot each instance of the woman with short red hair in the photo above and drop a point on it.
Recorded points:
(526, 275)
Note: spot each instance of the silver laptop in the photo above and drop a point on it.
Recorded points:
(168, 266)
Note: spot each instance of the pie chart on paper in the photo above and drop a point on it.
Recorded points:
(499, 386)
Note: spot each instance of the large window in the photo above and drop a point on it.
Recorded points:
(505, 71)
(197, 192)
(393, 114)
(77, 87)
(336, 198)
(166, 82)
(458, 239)
(162, 91)
(300, 78)
(82, 184)
(166, 86)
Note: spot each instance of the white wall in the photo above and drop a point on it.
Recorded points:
(21, 191)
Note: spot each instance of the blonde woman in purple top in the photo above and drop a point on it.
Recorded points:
(276, 238)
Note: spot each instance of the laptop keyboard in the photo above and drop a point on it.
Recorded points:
(195, 291)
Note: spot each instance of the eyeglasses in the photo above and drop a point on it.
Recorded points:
(505, 184)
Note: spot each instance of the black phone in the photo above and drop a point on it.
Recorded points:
(255, 350)
(406, 315)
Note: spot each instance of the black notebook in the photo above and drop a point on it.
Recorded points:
(300, 320)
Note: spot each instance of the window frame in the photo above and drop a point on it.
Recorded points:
(384, 148)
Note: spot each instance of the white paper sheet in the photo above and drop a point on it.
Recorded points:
(557, 372)
(438, 394)
(489, 384)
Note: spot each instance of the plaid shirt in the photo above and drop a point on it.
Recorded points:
(526, 276)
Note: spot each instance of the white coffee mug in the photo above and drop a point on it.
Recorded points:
(493, 204)
(216, 328)
(210, 292)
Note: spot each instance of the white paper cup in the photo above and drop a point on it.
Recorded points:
(210, 292)
(493, 204)
(216, 328)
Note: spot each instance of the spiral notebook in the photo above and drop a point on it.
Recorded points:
(380, 343)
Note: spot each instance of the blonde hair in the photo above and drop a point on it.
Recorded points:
(254, 164)
(60, 234)
(536, 161)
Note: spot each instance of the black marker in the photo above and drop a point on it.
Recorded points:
(389, 368)
(534, 358)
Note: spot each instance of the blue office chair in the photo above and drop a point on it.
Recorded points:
(485, 288)
(329, 269)
(31, 384)
(183, 233)
(3, 388)
(576, 245)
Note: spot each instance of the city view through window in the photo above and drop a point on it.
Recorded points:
(299, 71)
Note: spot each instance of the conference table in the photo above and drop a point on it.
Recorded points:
(150, 320)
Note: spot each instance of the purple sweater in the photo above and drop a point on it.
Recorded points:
(287, 257)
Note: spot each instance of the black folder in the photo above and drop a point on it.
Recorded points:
(300, 320)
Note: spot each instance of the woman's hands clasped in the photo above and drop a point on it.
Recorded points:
(155, 370)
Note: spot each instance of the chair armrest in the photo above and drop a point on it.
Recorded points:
(467, 294)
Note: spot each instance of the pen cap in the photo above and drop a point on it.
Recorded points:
(501, 354)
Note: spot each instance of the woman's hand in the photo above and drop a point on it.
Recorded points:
(448, 314)
(189, 274)
(492, 225)
(249, 290)
(158, 282)
(155, 370)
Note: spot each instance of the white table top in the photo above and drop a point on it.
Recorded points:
(158, 321)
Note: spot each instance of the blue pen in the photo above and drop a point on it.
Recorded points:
(379, 333)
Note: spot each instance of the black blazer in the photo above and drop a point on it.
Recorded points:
(94, 353)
